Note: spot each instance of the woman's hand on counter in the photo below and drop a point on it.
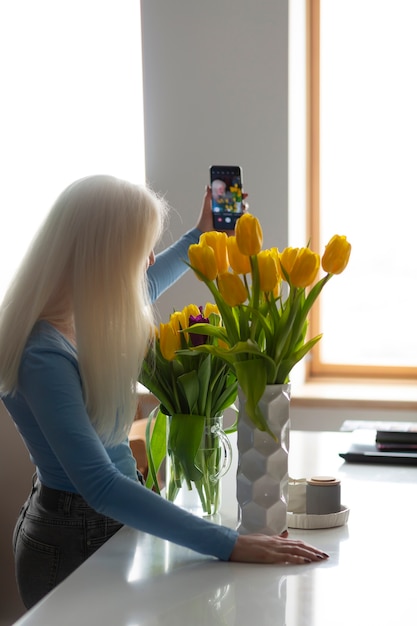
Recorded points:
(274, 549)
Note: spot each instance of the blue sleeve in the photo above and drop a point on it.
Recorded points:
(170, 264)
(50, 383)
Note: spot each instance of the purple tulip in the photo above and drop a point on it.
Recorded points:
(198, 340)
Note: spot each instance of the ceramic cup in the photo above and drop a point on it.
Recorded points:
(322, 495)
(297, 495)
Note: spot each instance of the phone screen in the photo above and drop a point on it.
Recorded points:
(226, 191)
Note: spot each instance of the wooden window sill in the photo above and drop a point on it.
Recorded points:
(359, 394)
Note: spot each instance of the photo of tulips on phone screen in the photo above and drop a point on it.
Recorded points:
(226, 191)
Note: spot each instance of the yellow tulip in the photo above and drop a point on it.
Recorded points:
(240, 263)
(177, 320)
(180, 320)
(305, 268)
(249, 235)
(209, 309)
(169, 340)
(232, 288)
(286, 261)
(268, 271)
(336, 255)
(202, 258)
(217, 241)
(275, 255)
(190, 309)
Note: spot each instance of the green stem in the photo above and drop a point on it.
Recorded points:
(254, 303)
(208, 460)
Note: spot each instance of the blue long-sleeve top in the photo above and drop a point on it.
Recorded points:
(49, 412)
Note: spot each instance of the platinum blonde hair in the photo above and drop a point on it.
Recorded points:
(88, 261)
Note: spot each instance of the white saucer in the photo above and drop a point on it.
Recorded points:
(311, 522)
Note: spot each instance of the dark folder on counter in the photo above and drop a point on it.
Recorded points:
(390, 447)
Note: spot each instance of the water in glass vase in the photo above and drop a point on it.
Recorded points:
(194, 466)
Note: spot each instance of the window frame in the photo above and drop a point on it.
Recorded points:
(316, 369)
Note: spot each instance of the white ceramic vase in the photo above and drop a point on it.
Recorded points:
(262, 474)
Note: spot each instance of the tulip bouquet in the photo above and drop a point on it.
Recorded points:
(192, 388)
(264, 297)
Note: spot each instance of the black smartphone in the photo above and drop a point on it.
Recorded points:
(226, 191)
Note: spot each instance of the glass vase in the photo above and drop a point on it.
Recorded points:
(195, 483)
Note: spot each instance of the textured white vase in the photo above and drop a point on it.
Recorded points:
(262, 474)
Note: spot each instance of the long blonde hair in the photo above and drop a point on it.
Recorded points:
(89, 261)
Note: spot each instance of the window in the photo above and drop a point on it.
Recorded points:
(362, 132)
(71, 106)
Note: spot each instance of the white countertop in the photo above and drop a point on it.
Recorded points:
(138, 580)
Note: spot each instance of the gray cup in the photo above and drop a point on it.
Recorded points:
(322, 495)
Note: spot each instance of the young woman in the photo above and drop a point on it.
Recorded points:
(74, 327)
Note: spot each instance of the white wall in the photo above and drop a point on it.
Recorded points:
(216, 91)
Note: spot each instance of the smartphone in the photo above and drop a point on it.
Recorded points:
(226, 191)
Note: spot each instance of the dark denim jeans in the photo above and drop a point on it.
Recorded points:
(55, 533)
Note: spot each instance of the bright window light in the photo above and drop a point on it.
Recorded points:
(368, 141)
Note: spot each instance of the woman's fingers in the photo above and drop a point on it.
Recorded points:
(205, 219)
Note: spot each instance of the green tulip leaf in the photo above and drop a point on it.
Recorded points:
(252, 379)
(155, 446)
(204, 376)
(189, 383)
(185, 433)
(207, 330)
